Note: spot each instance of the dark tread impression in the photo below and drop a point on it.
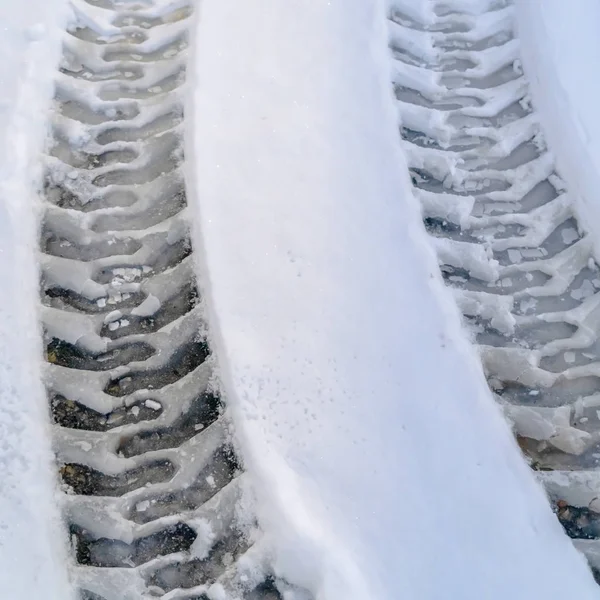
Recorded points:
(151, 483)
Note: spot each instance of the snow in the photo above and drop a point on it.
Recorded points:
(559, 41)
(32, 538)
(381, 466)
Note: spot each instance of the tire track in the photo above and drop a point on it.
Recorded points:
(150, 479)
(508, 242)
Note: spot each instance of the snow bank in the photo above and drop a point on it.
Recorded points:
(382, 465)
(32, 545)
(560, 48)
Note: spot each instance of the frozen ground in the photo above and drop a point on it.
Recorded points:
(32, 541)
(382, 467)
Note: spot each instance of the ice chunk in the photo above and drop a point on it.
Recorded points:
(147, 308)
(152, 404)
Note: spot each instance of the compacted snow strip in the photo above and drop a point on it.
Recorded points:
(33, 554)
(560, 49)
(381, 465)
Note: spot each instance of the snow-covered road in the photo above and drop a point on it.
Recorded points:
(377, 461)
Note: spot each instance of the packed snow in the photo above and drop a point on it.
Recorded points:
(380, 464)
(33, 555)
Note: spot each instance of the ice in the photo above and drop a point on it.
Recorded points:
(515, 256)
(148, 307)
(569, 235)
(152, 405)
(114, 315)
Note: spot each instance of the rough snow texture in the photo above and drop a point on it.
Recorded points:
(32, 541)
(381, 465)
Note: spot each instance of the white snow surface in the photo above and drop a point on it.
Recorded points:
(560, 48)
(382, 467)
(33, 561)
